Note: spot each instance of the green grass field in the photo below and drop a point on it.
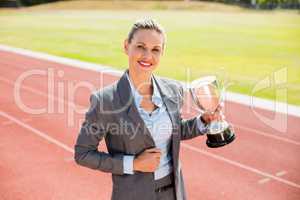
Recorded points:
(243, 46)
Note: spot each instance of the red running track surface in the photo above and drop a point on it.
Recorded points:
(36, 150)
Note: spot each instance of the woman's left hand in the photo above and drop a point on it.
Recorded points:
(216, 116)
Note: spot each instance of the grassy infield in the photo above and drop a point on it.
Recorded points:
(243, 45)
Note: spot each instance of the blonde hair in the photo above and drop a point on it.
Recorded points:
(146, 24)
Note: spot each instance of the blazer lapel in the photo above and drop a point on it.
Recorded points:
(172, 102)
(126, 98)
(170, 99)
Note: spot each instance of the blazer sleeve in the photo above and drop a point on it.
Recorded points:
(92, 131)
(189, 128)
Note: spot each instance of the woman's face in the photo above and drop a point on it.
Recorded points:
(144, 50)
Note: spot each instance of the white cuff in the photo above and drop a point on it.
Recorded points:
(128, 164)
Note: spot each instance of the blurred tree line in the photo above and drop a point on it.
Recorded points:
(258, 4)
(34, 2)
(263, 4)
(18, 3)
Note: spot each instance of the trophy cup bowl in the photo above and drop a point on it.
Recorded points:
(207, 96)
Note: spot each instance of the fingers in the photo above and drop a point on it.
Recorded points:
(153, 150)
(219, 108)
(154, 155)
(217, 115)
(157, 164)
(208, 117)
(148, 161)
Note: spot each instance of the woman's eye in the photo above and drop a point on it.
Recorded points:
(156, 50)
(140, 47)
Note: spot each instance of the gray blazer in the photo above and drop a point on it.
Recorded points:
(113, 116)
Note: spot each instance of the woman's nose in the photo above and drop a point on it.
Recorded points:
(147, 54)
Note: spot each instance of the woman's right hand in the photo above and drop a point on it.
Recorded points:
(147, 161)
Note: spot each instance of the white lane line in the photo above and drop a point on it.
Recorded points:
(9, 122)
(242, 166)
(68, 103)
(281, 173)
(264, 180)
(37, 132)
(230, 96)
(73, 63)
(268, 135)
(65, 147)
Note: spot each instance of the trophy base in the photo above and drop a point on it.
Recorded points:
(220, 139)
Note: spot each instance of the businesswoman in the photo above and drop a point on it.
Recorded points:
(139, 118)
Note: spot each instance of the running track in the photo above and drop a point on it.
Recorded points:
(36, 150)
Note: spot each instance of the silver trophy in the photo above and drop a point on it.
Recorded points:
(208, 96)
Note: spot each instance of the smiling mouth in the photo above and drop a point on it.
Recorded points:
(144, 64)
